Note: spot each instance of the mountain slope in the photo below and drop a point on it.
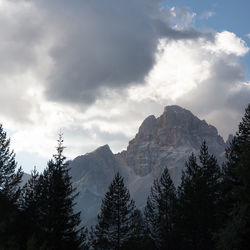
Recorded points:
(161, 142)
(91, 175)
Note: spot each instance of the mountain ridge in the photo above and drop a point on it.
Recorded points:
(165, 141)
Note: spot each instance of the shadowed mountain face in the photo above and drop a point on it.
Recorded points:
(91, 175)
(25, 179)
(161, 142)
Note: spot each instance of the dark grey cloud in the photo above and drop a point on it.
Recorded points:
(104, 45)
(22, 30)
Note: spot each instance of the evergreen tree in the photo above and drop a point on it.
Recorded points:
(30, 193)
(10, 177)
(139, 237)
(159, 212)
(236, 182)
(199, 202)
(31, 203)
(114, 228)
(49, 198)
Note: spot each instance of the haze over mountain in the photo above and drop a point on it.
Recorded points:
(161, 142)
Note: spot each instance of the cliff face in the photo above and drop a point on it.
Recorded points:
(166, 141)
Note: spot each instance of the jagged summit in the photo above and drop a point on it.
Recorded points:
(105, 149)
(147, 128)
(169, 139)
(229, 139)
(171, 113)
(174, 108)
(177, 126)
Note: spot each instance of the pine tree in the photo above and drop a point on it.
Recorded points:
(139, 237)
(10, 177)
(50, 198)
(199, 202)
(30, 206)
(30, 193)
(114, 227)
(159, 212)
(236, 182)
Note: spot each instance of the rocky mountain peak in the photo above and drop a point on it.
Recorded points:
(229, 140)
(147, 128)
(175, 109)
(103, 150)
(177, 129)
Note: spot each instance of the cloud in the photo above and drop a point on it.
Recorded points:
(221, 97)
(22, 62)
(19, 36)
(77, 53)
(181, 17)
(228, 43)
(207, 14)
(124, 60)
(107, 45)
(238, 97)
(203, 76)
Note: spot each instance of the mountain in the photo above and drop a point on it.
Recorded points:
(25, 179)
(168, 141)
(161, 142)
(91, 175)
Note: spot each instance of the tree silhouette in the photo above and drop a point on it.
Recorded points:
(199, 202)
(10, 178)
(50, 200)
(114, 227)
(159, 212)
(236, 183)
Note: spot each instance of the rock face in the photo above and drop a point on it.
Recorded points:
(167, 142)
(161, 142)
(25, 179)
(91, 175)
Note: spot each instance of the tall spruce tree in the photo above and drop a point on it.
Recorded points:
(199, 202)
(236, 182)
(50, 200)
(159, 212)
(10, 177)
(139, 236)
(114, 227)
(30, 193)
(31, 203)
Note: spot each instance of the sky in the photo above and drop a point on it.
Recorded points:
(96, 69)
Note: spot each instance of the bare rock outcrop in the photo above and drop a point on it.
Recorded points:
(167, 141)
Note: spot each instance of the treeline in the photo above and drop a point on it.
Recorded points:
(209, 210)
(40, 215)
